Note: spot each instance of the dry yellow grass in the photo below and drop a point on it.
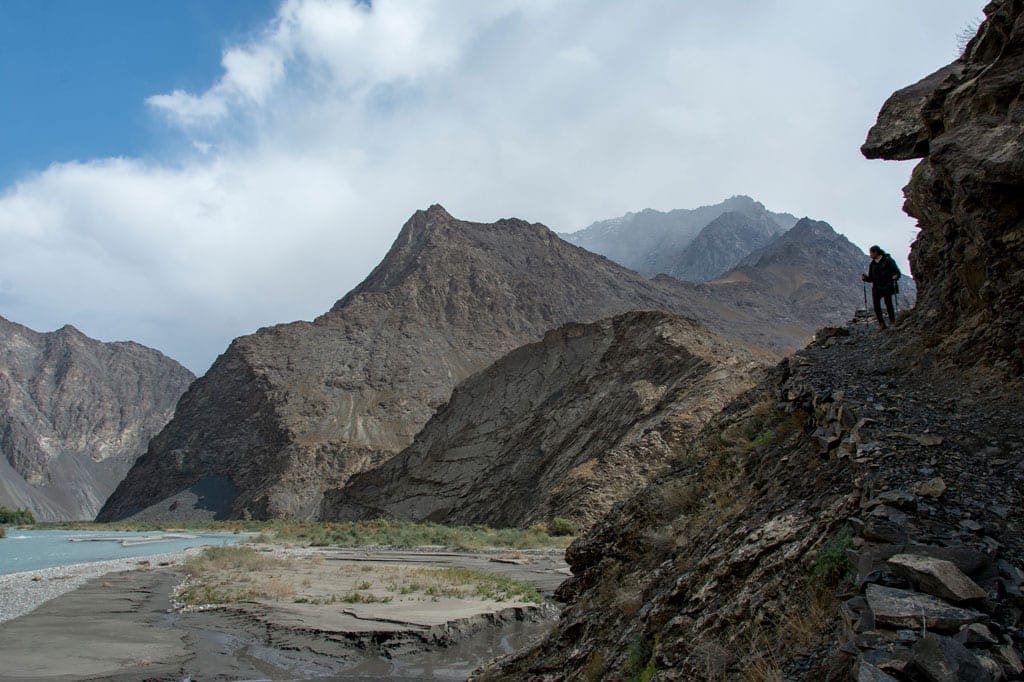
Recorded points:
(243, 573)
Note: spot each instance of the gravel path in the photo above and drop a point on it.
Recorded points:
(22, 592)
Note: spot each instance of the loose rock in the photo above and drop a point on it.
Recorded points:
(905, 609)
(935, 576)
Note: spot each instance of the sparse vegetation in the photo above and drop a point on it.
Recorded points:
(561, 527)
(16, 516)
(231, 574)
(831, 564)
(639, 665)
(966, 34)
(223, 575)
(351, 534)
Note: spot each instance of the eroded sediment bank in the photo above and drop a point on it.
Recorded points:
(135, 628)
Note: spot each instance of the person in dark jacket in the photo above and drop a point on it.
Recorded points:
(883, 274)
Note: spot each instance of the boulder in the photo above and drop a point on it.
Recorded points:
(941, 659)
(976, 634)
(936, 576)
(933, 487)
(905, 609)
(1009, 659)
(868, 672)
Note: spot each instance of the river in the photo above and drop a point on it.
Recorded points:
(30, 550)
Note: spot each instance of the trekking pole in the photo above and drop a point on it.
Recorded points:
(865, 287)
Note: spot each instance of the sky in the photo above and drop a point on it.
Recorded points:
(182, 173)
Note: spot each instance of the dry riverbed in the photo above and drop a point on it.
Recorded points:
(267, 612)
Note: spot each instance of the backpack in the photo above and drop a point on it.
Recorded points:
(895, 268)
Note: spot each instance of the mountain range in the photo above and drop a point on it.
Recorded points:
(695, 245)
(75, 413)
(295, 410)
(816, 528)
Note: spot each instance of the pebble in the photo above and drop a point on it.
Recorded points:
(21, 593)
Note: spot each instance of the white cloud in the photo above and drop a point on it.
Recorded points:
(337, 120)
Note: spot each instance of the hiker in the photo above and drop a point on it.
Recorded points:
(883, 274)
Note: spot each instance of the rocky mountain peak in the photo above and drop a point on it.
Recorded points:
(807, 239)
(295, 409)
(75, 413)
(654, 242)
(431, 239)
(743, 204)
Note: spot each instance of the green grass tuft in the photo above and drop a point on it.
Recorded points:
(831, 564)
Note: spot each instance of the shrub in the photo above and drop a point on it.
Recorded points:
(832, 564)
(640, 660)
(560, 527)
(16, 516)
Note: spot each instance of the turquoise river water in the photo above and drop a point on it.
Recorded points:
(31, 550)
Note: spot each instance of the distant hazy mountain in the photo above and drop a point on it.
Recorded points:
(75, 413)
(723, 243)
(652, 242)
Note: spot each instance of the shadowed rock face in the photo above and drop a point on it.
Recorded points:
(965, 122)
(563, 427)
(75, 413)
(296, 409)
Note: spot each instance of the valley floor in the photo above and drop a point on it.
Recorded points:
(308, 612)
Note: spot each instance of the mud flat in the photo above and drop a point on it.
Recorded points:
(343, 614)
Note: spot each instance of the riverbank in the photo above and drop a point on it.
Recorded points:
(343, 613)
(22, 592)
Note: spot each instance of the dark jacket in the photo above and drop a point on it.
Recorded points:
(880, 274)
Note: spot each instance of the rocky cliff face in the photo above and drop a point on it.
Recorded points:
(967, 193)
(563, 427)
(654, 242)
(75, 413)
(858, 515)
(296, 409)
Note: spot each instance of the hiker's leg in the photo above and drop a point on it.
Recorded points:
(889, 308)
(876, 300)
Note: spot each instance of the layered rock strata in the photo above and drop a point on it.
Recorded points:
(561, 428)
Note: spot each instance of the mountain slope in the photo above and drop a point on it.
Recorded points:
(295, 409)
(723, 243)
(74, 415)
(815, 529)
(804, 279)
(653, 242)
(563, 427)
